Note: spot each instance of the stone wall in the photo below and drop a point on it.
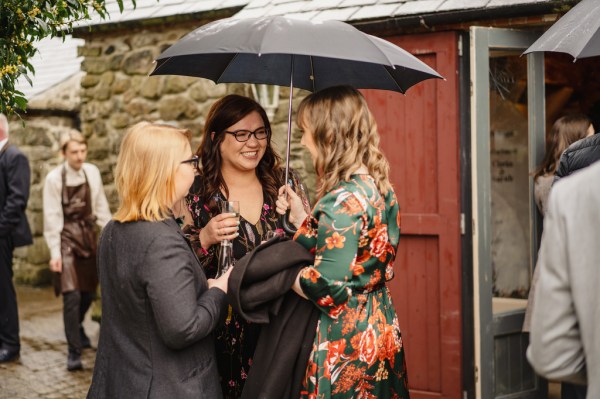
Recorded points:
(116, 92)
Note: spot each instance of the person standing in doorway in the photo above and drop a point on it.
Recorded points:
(565, 131)
(14, 232)
(74, 201)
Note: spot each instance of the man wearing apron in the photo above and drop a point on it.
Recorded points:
(74, 201)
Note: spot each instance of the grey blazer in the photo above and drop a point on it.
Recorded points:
(565, 326)
(157, 316)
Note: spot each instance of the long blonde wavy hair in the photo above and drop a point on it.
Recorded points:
(345, 134)
(146, 171)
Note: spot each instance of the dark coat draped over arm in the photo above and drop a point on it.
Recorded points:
(259, 290)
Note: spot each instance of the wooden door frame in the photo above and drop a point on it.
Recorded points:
(482, 39)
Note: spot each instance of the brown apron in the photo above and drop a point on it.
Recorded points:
(77, 240)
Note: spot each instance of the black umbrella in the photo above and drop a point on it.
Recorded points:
(283, 51)
(576, 33)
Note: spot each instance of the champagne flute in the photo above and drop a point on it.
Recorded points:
(233, 207)
(227, 206)
(226, 258)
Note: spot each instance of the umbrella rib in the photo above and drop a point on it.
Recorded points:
(158, 67)
(381, 51)
(395, 81)
(227, 67)
(312, 74)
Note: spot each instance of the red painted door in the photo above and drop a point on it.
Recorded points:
(420, 137)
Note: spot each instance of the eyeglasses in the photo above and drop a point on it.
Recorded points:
(243, 135)
(193, 160)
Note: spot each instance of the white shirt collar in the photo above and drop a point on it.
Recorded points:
(73, 171)
(3, 143)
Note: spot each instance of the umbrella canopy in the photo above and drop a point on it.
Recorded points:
(576, 33)
(276, 50)
(282, 51)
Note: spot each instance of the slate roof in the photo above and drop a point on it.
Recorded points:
(146, 9)
(357, 10)
(57, 61)
(54, 62)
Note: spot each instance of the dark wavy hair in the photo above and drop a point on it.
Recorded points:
(565, 131)
(224, 113)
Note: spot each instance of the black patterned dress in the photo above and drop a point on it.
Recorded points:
(236, 340)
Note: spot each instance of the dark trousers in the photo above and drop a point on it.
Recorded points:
(572, 391)
(75, 305)
(9, 315)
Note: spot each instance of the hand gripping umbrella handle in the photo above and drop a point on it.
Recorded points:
(287, 226)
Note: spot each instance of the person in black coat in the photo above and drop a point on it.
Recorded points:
(14, 232)
(158, 308)
(578, 155)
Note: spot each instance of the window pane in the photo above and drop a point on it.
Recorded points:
(509, 149)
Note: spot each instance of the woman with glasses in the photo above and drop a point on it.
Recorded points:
(238, 164)
(159, 310)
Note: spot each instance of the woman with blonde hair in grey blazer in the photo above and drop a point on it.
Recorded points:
(158, 307)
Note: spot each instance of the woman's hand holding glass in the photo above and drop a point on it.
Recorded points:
(288, 199)
(223, 226)
(221, 281)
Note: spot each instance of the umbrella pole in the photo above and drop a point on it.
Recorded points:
(284, 218)
(289, 129)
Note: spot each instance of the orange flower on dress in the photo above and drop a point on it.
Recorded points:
(377, 218)
(367, 348)
(310, 273)
(335, 241)
(362, 390)
(335, 312)
(352, 206)
(349, 320)
(357, 270)
(380, 242)
(335, 352)
(365, 256)
(387, 345)
(325, 301)
(348, 378)
(374, 280)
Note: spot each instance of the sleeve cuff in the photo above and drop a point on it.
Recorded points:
(55, 253)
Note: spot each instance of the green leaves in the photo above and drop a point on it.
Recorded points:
(24, 23)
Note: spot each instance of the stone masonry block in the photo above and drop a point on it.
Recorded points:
(138, 62)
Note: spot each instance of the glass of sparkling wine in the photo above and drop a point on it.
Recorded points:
(231, 207)
(226, 259)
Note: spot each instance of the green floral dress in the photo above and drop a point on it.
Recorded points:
(236, 339)
(358, 351)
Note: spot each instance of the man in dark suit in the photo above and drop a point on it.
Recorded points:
(14, 232)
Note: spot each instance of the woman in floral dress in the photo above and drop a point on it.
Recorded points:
(238, 163)
(353, 231)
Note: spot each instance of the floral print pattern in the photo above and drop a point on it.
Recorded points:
(235, 340)
(358, 351)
